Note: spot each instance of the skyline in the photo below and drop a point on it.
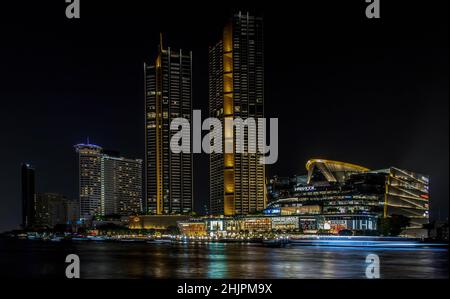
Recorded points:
(92, 79)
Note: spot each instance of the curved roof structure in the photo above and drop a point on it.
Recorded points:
(333, 171)
(336, 164)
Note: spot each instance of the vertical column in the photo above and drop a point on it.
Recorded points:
(228, 107)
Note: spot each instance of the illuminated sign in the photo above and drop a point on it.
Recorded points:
(272, 211)
(285, 220)
(305, 188)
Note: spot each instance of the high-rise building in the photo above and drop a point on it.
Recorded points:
(108, 184)
(90, 179)
(168, 95)
(236, 90)
(28, 195)
(121, 185)
(50, 209)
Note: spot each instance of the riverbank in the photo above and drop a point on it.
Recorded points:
(273, 241)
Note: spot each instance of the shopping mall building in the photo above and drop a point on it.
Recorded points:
(332, 197)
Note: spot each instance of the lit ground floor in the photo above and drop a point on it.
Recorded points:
(311, 224)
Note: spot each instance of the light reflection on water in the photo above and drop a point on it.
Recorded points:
(215, 260)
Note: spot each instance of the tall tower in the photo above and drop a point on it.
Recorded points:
(168, 95)
(90, 179)
(28, 195)
(236, 89)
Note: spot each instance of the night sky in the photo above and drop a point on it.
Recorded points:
(370, 92)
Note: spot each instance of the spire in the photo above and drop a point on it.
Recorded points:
(161, 41)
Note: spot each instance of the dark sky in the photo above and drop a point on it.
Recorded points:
(370, 92)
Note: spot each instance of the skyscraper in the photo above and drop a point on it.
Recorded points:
(108, 184)
(236, 89)
(28, 195)
(121, 185)
(168, 95)
(90, 179)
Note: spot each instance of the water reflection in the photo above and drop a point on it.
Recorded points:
(215, 260)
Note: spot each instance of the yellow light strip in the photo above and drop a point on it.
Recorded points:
(228, 108)
(159, 203)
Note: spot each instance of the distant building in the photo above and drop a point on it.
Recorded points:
(236, 90)
(438, 230)
(168, 95)
(108, 184)
(50, 209)
(28, 195)
(72, 211)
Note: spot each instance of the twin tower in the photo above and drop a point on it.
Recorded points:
(236, 89)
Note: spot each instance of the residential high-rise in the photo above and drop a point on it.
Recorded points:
(121, 185)
(168, 95)
(108, 184)
(28, 195)
(236, 90)
(90, 179)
